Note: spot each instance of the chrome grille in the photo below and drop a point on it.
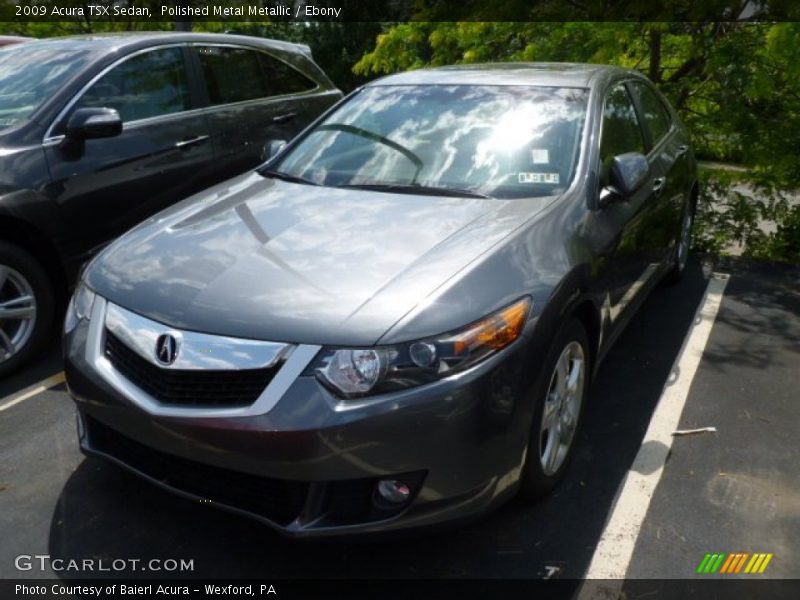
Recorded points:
(200, 388)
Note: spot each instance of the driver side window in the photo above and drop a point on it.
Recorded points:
(621, 132)
(147, 85)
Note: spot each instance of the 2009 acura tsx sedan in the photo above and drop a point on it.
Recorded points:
(393, 322)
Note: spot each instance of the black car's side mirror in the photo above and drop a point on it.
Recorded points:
(271, 149)
(626, 174)
(91, 123)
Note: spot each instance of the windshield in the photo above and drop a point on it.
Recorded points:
(500, 141)
(31, 73)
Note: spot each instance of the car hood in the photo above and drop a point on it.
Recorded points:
(266, 259)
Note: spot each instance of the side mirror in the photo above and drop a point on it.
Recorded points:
(627, 174)
(91, 123)
(271, 149)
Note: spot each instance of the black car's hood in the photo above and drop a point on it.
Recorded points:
(266, 259)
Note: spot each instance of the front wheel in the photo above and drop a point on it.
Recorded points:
(26, 307)
(681, 254)
(560, 395)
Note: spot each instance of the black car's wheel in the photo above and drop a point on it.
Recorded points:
(560, 394)
(26, 307)
(684, 241)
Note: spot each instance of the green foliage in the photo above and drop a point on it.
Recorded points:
(784, 244)
(419, 44)
(725, 214)
(734, 208)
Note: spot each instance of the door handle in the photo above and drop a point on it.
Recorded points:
(658, 185)
(682, 149)
(284, 118)
(191, 141)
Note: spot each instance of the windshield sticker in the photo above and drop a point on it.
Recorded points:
(538, 177)
(540, 156)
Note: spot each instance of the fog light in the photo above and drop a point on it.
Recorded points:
(393, 491)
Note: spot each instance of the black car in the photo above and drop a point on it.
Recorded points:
(99, 132)
(393, 323)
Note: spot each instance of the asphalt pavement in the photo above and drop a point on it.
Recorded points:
(730, 491)
(736, 490)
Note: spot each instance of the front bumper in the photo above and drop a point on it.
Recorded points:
(309, 466)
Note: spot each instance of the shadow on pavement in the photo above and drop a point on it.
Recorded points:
(104, 512)
(43, 366)
(770, 327)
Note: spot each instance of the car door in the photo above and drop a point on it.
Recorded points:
(626, 268)
(253, 97)
(667, 154)
(104, 186)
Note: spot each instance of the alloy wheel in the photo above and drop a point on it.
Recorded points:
(562, 408)
(17, 312)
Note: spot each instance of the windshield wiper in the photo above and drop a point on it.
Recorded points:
(415, 188)
(286, 177)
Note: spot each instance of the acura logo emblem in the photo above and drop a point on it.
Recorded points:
(166, 349)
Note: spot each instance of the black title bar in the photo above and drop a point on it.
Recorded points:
(259, 11)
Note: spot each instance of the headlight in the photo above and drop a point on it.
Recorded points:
(80, 307)
(357, 372)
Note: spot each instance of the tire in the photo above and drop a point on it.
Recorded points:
(26, 307)
(546, 463)
(683, 242)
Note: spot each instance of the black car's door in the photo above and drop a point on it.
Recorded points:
(667, 154)
(253, 97)
(104, 186)
(624, 225)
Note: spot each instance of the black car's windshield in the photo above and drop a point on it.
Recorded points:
(32, 72)
(499, 141)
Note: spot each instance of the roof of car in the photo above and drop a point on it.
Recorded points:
(109, 42)
(11, 39)
(544, 74)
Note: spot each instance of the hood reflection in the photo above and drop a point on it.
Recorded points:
(273, 260)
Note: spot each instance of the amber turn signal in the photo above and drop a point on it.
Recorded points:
(495, 331)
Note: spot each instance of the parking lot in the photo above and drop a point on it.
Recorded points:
(735, 490)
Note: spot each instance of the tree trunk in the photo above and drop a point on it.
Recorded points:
(655, 55)
(182, 23)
